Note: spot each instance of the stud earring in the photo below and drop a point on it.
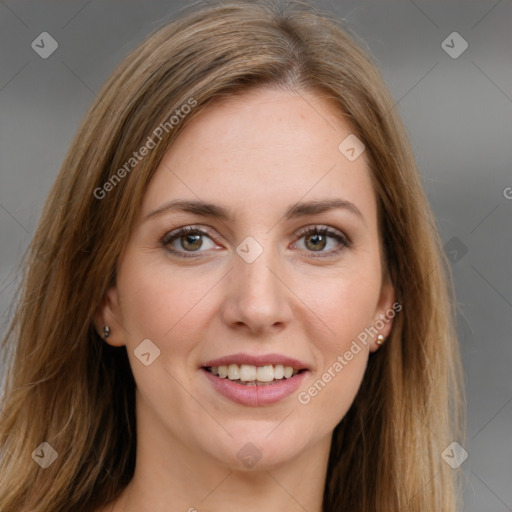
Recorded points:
(380, 339)
(106, 331)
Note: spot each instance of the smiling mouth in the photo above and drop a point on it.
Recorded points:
(254, 375)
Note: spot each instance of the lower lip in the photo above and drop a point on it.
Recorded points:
(255, 396)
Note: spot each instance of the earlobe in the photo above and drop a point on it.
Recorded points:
(385, 313)
(107, 319)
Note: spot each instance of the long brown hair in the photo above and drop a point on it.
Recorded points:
(67, 387)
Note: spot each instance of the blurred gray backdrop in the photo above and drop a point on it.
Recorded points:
(448, 66)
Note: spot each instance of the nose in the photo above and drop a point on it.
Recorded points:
(257, 299)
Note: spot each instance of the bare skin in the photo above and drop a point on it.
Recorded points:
(306, 296)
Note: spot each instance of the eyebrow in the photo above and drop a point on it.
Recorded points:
(294, 211)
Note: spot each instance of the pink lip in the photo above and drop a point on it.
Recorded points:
(257, 361)
(254, 396)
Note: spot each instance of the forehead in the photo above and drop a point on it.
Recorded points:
(264, 147)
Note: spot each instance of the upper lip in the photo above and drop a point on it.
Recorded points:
(261, 360)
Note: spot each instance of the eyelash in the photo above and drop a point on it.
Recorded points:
(344, 241)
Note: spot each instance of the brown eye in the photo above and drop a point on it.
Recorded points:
(191, 242)
(322, 240)
(187, 240)
(315, 241)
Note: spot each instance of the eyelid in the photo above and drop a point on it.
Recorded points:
(169, 235)
(322, 228)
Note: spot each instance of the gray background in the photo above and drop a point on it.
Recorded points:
(458, 113)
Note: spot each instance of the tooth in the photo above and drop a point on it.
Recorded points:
(278, 371)
(247, 372)
(288, 372)
(250, 373)
(265, 373)
(233, 372)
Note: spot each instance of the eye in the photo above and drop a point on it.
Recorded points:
(188, 239)
(322, 239)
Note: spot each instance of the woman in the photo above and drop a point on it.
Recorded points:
(235, 298)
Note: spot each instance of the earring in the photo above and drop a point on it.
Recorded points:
(380, 339)
(106, 331)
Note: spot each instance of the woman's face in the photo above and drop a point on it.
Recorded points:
(279, 267)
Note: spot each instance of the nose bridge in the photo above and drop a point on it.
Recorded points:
(256, 279)
(257, 298)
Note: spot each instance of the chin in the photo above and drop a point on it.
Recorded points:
(260, 448)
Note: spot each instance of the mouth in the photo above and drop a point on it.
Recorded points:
(255, 380)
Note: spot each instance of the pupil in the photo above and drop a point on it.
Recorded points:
(191, 242)
(316, 241)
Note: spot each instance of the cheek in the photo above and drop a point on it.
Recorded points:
(157, 301)
(346, 305)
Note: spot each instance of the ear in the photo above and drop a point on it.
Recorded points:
(387, 307)
(109, 314)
